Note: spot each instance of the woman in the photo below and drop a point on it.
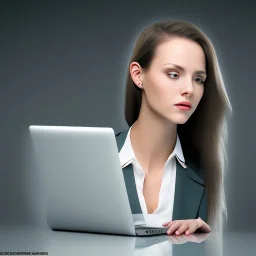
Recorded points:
(175, 106)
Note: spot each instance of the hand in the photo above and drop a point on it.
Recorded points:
(186, 226)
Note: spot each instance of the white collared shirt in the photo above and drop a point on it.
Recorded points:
(164, 211)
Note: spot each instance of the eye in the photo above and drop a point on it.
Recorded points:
(201, 80)
(175, 73)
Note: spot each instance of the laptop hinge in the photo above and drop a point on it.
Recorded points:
(138, 219)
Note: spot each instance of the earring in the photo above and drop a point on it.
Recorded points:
(140, 85)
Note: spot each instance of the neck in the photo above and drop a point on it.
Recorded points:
(153, 139)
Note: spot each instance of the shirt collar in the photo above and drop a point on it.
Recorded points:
(127, 156)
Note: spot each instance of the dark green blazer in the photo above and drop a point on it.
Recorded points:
(190, 197)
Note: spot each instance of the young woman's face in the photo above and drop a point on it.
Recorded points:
(165, 85)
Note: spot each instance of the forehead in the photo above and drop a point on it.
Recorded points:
(181, 51)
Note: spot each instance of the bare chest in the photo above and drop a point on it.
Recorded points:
(151, 190)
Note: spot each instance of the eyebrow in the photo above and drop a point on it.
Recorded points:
(181, 68)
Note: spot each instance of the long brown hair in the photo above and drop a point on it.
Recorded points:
(206, 129)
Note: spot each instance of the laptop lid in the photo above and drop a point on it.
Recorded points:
(82, 179)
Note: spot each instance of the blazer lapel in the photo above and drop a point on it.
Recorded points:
(189, 187)
(131, 189)
(189, 190)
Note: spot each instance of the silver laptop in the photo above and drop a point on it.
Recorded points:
(82, 180)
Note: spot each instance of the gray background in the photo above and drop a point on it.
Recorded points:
(64, 63)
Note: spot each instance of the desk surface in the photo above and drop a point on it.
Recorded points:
(26, 239)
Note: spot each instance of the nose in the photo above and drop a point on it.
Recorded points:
(188, 88)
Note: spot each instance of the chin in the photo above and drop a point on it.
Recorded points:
(179, 120)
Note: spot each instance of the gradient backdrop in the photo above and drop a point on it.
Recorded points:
(64, 63)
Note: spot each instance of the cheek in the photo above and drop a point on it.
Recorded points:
(161, 90)
(199, 96)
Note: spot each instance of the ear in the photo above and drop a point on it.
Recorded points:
(136, 73)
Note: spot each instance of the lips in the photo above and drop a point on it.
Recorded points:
(184, 103)
(183, 107)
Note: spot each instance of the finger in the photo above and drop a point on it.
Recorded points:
(192, 228)
(166, 223)
(171, 223)
(173, 227)
(182, 229)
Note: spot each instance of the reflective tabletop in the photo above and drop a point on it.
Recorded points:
(44, 241)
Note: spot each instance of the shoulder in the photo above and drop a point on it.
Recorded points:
(192, 158)
(191, 155)
(120, 138)
(121, 134)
